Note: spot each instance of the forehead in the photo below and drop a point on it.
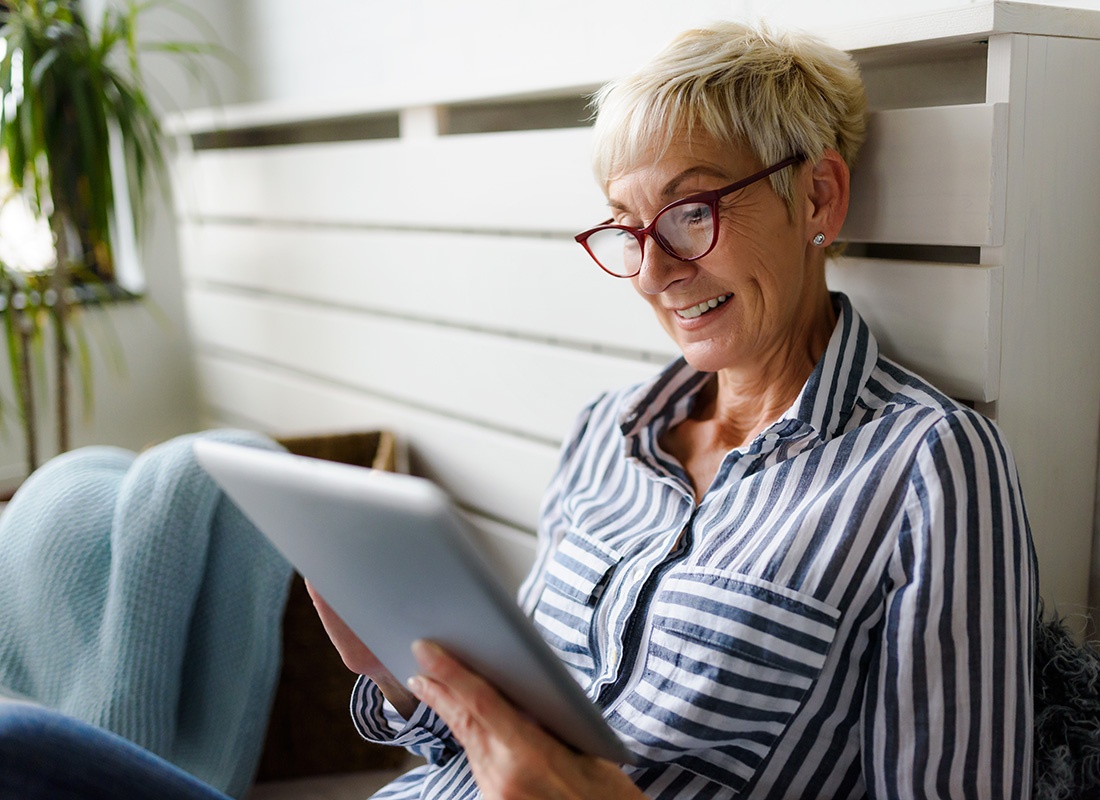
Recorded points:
(660, 172)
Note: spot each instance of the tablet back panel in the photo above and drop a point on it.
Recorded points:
(391, 555)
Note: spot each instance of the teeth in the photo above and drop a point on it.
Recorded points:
(702, 308)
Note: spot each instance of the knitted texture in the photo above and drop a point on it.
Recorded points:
(136, 597)
(1067, 715)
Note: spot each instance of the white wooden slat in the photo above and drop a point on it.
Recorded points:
(931, 176)
(925, 176)
(941, 320)
(527, 387)
(975, 21)
(530, 286)
(499, 475)
(527, 180)
(607, 44)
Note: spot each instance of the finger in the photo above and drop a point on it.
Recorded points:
(469, 705)
(337, 629)
(510, 755)
(356, 655)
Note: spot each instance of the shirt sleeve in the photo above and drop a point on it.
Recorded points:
(948, 711)
(424, 733)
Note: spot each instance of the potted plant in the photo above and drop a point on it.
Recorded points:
(74, 109)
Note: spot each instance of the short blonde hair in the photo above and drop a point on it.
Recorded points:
(779, 94)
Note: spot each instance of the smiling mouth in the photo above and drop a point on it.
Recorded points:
(702, 308)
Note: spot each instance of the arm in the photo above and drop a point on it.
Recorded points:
(947, 712)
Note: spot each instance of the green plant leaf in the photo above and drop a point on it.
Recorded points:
(81, 89)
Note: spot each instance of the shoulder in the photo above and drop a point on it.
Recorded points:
(598, 419)
(959, 488)
(969, 450)
(940, 437)
(625, 411)
(891, 388)
(594, 436)
(894, 393)
(961, 473)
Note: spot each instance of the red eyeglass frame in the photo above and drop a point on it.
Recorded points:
(711, 198)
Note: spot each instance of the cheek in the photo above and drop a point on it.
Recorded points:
(779, 264)
(754, 245)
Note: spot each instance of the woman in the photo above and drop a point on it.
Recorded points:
(786, 567)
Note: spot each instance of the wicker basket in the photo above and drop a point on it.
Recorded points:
(310, 730)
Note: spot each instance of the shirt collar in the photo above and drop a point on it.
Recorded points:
(829, 396)
(825, 403)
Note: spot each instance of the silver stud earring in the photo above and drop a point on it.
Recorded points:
(819, 239)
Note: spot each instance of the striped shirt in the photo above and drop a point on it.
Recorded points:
(846, 613)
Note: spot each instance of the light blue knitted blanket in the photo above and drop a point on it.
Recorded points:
(134, 596)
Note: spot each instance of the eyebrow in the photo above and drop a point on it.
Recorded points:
(671, 189)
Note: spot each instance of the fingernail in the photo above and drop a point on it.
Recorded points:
(415, 684)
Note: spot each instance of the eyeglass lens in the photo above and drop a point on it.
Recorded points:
(685, 231)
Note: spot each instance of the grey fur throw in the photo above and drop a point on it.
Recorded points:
(1067, 715)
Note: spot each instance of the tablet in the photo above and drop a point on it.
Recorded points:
(392, 555)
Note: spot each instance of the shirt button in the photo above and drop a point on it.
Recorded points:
(771, 438)
(637, 575)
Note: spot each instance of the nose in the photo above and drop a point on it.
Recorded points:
(659, 270)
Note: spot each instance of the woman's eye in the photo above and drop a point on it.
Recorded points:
(695, 215)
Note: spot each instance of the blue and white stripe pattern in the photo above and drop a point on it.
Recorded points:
(846, 613)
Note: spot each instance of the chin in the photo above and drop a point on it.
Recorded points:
(706, 357)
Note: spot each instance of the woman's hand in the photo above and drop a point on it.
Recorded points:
(359, 659)
(510, 755)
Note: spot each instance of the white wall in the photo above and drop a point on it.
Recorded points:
(346, 47)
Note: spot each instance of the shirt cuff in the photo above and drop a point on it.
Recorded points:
(378, 721)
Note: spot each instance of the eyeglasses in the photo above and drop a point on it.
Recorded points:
(686, 229)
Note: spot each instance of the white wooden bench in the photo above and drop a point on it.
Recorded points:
(423, 278)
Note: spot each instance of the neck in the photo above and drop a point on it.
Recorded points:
(743, 402)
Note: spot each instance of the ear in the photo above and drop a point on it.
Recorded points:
(827, 201)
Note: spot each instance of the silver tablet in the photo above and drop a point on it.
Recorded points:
(393, 557)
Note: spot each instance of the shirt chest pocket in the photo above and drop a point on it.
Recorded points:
(728, 662)
(574, 580)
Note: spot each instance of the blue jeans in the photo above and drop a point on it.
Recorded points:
(48, 756)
